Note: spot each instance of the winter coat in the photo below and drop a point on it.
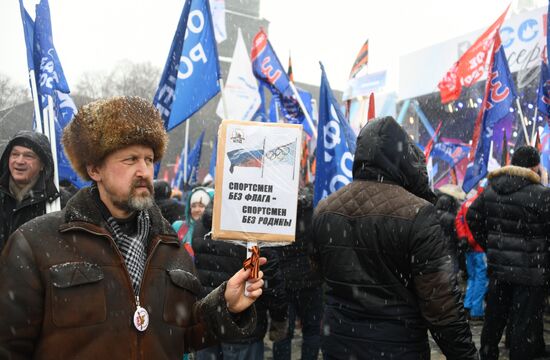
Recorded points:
(216, 261)
(297, 262)
(446, 208)
(388, 273)
(13, 215)
(511, 221)
(71, 296)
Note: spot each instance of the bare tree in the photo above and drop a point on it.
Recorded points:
(127, 78)
(11, 94)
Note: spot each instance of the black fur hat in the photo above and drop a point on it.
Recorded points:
(526, 156)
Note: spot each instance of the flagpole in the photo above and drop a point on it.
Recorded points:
(35, 100)
(534, 127)
(185, 153)
(224, 103)
(49, 124)
(302, 106)
(277, 110)
(522, 121)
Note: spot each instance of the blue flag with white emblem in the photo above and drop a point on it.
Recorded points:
(51, 84)
(335, 145)
(499, 97)
(191, 74)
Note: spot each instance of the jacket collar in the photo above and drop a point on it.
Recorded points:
(519, 171)
(81, 208)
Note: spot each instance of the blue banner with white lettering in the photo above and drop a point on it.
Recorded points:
(496, 105)
(266, 65)
(191, 74)
(451, 153)
(543, 100)
(545, 151)
(335, 145)
(51, 82)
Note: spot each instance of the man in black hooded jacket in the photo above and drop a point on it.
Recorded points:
(26, 181)
(510, 221)
(387, 270)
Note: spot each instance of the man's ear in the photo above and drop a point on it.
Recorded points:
(93, 172)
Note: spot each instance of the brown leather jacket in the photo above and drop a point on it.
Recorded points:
(65, 293)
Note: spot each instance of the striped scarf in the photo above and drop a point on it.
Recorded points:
(133, 248)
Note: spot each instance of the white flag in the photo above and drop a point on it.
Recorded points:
(217, 9)
(241, 92)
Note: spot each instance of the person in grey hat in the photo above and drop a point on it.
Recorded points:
(510, 221)
(26, 181)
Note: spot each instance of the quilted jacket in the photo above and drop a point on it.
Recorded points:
(511, 221)
(386, 267)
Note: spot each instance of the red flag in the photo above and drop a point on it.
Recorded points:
(428, 148)
(361, 60)
(371, 114)
(454, 179)
(538, 144)
(471, 65)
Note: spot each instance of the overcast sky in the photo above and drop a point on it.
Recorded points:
(92, 35)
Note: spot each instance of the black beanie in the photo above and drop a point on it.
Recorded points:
(526, 156)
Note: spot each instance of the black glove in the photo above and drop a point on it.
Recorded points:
(278, 330)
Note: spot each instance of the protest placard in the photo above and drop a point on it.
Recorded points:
(257, 177)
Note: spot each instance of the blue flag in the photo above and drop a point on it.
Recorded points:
(543, 99)
(52, 85)
(335, 145)
(545, 144)
(499, 97)
(266, 65)
(213, 158)
(450, 152)
(28, 29)
(191, 74)
(194, 159)
(290, 109)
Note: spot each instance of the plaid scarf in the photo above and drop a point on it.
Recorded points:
(133, 248)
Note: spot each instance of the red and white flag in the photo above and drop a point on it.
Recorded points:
(471, 66)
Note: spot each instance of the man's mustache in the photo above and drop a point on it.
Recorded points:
(141, 182)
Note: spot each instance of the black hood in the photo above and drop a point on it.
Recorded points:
(386, 153)
(40, 144)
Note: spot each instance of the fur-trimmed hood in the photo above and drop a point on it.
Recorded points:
(511, 178)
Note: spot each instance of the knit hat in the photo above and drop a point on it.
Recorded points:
(200, 196)
(108, 125)
(526, 156)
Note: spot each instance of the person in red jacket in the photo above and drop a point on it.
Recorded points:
(476, 262)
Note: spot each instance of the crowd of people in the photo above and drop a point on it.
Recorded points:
(128, 269)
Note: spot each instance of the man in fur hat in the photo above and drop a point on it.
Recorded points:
(106, 278)
(26, 181)
(510, 221)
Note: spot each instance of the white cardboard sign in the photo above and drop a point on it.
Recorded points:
(257, 178)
